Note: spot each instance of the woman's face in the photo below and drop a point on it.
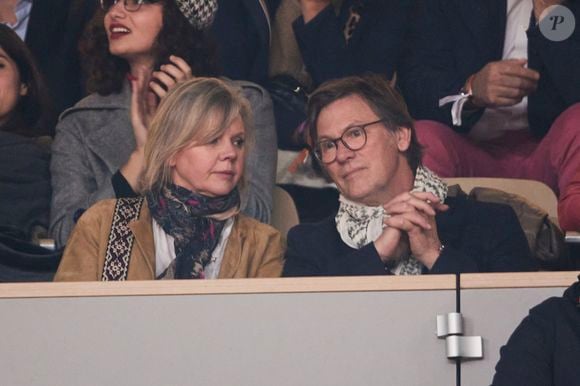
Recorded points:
(213, 169)
(132, 35)
(11, 89)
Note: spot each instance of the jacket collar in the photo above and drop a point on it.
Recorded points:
(233, 251)
(143, 254)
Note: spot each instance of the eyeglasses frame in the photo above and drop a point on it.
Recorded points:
(115, 2)
(336, 140)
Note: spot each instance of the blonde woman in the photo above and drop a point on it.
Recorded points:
(188, 225)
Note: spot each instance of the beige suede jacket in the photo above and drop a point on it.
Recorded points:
(253, 249)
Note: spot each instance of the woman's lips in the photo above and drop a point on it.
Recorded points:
(225, 173)
(117, 31)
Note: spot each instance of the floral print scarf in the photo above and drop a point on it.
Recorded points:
(195, 222)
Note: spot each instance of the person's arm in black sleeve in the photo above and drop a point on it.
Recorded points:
(308, 255)
(526, 359)
(485, 237)
(428, 71)
(509, 251)
(122, 187)
(452, 260)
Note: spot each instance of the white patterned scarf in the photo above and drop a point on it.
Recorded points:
(359, 225)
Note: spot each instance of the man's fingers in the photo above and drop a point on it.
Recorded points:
(519, 71)
(519, 83)
(509, 92)
(408, 195)
(424, 202)
(408, 222)
(413, 204)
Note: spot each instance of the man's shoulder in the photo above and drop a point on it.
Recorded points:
(467, 215)
(319, 231)
(469, 207)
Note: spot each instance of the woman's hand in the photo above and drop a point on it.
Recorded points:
(169, 75)
(147, 89)
(143, 105)
(413, 216)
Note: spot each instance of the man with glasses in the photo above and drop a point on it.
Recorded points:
(394, 215)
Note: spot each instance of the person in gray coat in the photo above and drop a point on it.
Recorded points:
(97, 152)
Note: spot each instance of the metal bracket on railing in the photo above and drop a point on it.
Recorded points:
(450, 327)
(449, 324)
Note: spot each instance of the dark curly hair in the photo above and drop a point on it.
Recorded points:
(105, 73)
(34, 114)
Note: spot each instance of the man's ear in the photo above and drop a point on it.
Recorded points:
(23, 89)
(403, 136)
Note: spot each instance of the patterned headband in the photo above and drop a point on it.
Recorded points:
(199, 13)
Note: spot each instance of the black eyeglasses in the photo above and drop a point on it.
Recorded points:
(130, 5)
(354, 138)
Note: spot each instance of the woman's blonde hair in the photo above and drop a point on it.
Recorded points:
(196, 111)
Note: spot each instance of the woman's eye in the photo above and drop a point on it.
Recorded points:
(213, 141)
(239, 142)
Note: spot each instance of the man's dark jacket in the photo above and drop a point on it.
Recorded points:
(53, 34)
(478, 237)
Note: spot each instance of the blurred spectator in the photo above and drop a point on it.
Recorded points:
(25, 126)
(351, 37)
(502, 96)
(545, 348)
(52, 29)
(97, 153)
(242, 29)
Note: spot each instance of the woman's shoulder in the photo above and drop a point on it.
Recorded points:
(102, 212)
(98, 116)
(96, 102)
(250, 225)
(98, 211)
